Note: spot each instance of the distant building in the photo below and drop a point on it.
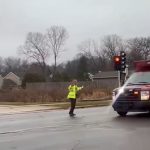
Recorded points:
(13, 77)
(108, 79)
(1, 81)
(108, 75)
(10, 81)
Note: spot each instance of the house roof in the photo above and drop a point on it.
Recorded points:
(108, 74)
(11, 74)
(13, 77)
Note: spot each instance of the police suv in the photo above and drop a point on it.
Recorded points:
(134, 95)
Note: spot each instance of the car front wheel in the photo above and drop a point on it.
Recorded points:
(122, 114)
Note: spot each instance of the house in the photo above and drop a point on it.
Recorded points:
(11, 76)
(108, 75)
(10, 81)
(108, 79)
(1, 81)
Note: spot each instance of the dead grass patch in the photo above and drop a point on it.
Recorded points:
(47, 96)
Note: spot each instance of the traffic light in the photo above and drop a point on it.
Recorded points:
(123, 60)
(117, 63)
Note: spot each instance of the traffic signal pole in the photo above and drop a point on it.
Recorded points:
(127, 72)
(120, 66)
(119, 77)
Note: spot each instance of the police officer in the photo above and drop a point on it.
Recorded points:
(72, 95)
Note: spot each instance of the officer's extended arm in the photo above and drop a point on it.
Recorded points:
(79, 88)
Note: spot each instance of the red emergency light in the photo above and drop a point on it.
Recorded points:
(142, 66)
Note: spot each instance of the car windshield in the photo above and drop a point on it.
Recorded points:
(139, 78)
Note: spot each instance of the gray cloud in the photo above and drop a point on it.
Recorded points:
(83, 19)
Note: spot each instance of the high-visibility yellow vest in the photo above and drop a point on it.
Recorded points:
(73, 89)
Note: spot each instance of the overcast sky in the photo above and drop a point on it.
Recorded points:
(83, 19)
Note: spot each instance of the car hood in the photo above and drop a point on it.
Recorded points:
(141, 87)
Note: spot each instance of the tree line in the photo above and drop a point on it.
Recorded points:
(93, 56)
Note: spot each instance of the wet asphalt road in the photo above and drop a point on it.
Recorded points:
(91, 129)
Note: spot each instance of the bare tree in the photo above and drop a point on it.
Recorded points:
(135, 51)
(56, 36)
(145, 47)
(139, 48)
(15, 65)
(36, 48)
(1, 65)
(88, 48)
(12, 64)
(101, 59)
(111, 45)
(92, 50)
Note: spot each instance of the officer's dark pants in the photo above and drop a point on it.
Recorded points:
(73, 104)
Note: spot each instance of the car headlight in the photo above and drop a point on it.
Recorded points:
(121, 90)
(116, 93)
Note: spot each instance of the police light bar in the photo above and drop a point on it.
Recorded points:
(142, 66)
